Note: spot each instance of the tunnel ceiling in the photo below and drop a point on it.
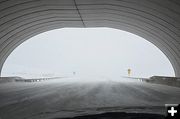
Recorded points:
(158, 21)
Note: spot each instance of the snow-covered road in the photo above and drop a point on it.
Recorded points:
(56, 98)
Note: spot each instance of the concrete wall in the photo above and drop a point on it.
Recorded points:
(158, 21)
(170, 81)
(9, 79)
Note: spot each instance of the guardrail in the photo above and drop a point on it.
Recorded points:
(19, 79)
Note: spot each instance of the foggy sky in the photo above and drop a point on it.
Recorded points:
(101, 52)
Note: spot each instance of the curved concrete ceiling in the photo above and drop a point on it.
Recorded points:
(158, 21)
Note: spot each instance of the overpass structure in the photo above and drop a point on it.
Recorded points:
(158, 21)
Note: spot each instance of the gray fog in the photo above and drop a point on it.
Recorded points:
(89, 52)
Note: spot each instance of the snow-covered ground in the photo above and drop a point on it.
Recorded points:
(71, 97)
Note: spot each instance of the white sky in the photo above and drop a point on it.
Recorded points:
(101, 52)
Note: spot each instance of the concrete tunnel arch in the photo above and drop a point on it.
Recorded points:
(157, 21)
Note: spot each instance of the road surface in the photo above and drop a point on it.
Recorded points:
(57, 98)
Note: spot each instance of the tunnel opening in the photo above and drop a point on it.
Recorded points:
(93, 70)
(105, 53)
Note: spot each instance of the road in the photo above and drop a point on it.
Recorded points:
(56, 98)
